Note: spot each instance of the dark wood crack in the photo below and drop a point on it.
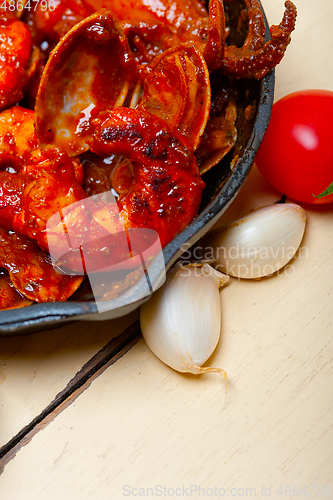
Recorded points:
(107, 356)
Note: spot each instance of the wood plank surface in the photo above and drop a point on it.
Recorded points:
(141, 425)
(138, 424)
(35, 368)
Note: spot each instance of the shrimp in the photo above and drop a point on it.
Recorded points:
(31, 271)
(15, 50)
(166, 190)
(30, 197)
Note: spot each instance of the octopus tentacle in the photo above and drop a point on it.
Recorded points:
(256, 34)
(246, 63)
(214, 48)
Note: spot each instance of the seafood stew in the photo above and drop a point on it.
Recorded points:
(231, 111)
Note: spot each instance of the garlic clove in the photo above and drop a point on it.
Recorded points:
(181, 323)
(259, 244)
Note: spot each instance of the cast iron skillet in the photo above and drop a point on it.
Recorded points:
(222, 185)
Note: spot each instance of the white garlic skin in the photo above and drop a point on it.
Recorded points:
(181, 323)
(258, 244)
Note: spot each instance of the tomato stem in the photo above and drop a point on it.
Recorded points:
(327, 191)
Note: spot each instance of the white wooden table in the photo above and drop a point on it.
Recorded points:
(136, 428)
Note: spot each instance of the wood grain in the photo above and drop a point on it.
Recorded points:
(114, 350)
(110, 353)
(35, 368)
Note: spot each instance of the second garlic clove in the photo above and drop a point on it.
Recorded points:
(181, 323)
(258, 244)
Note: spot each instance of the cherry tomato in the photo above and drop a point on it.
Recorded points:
(296, 154)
